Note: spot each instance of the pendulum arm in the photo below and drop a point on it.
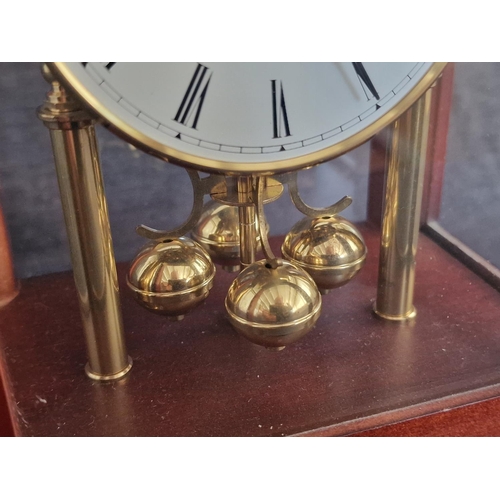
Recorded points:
(201, 186)
(310, 211)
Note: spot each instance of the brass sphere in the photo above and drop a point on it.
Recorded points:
(218, 232)
(171, 277)
(273, 303)
(329, 248)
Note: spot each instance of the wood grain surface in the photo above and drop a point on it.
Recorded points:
(8, 284)
(478, 420)
(197, 377)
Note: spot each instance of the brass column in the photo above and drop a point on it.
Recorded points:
(248, 228)
(86, 216)
(405, 165)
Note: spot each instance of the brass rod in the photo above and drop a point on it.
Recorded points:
(248, 229)
(405, 165)
(261, 217)
(86, 216)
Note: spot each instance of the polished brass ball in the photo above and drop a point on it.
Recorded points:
(273, 303)
(218, 232)
(329, 248)
(171, 277)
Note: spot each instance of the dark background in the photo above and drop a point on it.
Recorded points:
(144, 190)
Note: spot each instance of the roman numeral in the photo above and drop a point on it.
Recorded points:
(108, 66)
(280, 116)
(365, 79)
(192, 102)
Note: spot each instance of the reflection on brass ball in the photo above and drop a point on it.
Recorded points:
(329, 248)
(218, 232)
(171, 277)
(273, 303)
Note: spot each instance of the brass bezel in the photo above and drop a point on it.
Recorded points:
(145, 143)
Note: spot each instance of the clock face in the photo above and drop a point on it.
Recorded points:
(248, 117)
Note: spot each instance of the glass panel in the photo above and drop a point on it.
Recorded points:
(471, 194)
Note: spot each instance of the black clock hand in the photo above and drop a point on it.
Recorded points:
(361, 72)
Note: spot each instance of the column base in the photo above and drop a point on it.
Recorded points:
(403, 317)
(114, 376)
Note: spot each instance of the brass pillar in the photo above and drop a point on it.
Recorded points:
(405, 165)
(86, 215)
(248, 228)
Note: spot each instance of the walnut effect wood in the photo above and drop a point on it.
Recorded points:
(8, 285)
(197, 377)
(442, 96)
(9, 288)
(6, 428)
(478, 420)
(376, 178)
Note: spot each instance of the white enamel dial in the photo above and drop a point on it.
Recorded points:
(244, 117)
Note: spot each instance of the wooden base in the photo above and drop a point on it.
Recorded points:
(197, 377)
(480, 420)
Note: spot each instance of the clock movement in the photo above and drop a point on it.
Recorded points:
(242, 131)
